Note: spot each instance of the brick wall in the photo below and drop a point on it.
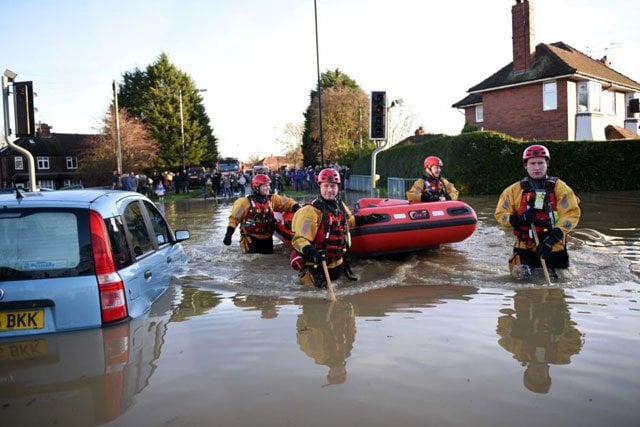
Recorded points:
(517, 111)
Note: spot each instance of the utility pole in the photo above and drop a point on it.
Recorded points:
(184, 168)
(116, 114)
(315, 11)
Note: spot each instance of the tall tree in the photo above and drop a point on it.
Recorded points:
(292, 142)
(154, 96)
(139, 149)
(345, 115)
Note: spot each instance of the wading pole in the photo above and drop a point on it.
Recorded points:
(332, 296)
(542, 261)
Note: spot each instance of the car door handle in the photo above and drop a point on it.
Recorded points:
(148, 274)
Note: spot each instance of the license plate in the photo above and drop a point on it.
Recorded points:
(23, 319)
(23, 350)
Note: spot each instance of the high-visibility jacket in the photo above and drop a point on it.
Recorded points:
(566, 212)
(432, 187)
(326, 228)
(256, 213)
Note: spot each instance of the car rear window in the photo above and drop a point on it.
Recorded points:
(44, 243)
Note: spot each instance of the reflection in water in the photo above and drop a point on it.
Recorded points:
(81, 378)
(90, 377)
(326, 332)
(539, 333)
(194, 302)
(267, 305)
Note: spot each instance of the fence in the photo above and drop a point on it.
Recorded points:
(396, 187)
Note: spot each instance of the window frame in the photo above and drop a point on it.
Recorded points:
(72, 162)
(479, 110)
(550, 96)
(43, 163)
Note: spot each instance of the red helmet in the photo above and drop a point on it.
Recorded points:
(259, 179)
(535, 151)
(432, 161)
(329, 175)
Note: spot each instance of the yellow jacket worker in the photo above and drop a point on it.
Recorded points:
(432, 187)
(321, 231)
(545, 202)
(254, 214)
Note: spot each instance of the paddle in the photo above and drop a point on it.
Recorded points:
(332, 296)
(542, 261)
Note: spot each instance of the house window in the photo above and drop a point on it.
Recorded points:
(72, 162)
(43, 163)
(608, 102)
(549, 96)
(46, 183)
(583, 97)
(72, 182)
(18, 163)
(479, 113)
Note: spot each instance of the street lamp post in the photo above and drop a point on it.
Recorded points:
(184, 169)
(7, 77)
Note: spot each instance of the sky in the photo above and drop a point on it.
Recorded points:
(257, 59)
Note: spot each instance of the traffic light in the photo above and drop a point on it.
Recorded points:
(23, 108)
(378, 116)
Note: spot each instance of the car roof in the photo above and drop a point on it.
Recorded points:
(96, 198)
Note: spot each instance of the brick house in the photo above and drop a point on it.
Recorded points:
(552, 91)
(55, 155)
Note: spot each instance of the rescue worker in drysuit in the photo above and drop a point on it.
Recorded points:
(254, 214)
(320, 232)
(544, 201)
(432, 187)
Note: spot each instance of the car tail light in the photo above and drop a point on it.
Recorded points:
(112, 298)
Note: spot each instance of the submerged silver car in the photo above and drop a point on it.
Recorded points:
(81, 259)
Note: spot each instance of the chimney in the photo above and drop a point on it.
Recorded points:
(43, 130)
(523, 35)
(605, 61)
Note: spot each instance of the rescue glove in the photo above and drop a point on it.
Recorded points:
(311, 254)
(525, 218)
(227, 237)
(544, 248)
(368, 219)
(429, 197)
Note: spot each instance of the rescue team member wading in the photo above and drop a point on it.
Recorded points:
(545, 201)
(320, 232)
(254, 214)
(432, 187)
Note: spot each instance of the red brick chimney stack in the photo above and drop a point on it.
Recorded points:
(523, 35)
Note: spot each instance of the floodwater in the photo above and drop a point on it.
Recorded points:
(439, 338)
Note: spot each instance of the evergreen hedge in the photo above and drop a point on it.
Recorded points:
(486, 162)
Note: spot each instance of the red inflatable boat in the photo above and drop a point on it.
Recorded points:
(406, 227)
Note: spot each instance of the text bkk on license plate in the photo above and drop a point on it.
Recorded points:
(21, 319)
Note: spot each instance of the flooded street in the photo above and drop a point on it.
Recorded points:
(443, 337)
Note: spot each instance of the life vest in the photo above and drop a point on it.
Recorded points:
(333, 230)
(433, 187)
(259, 219)
(544, 218)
